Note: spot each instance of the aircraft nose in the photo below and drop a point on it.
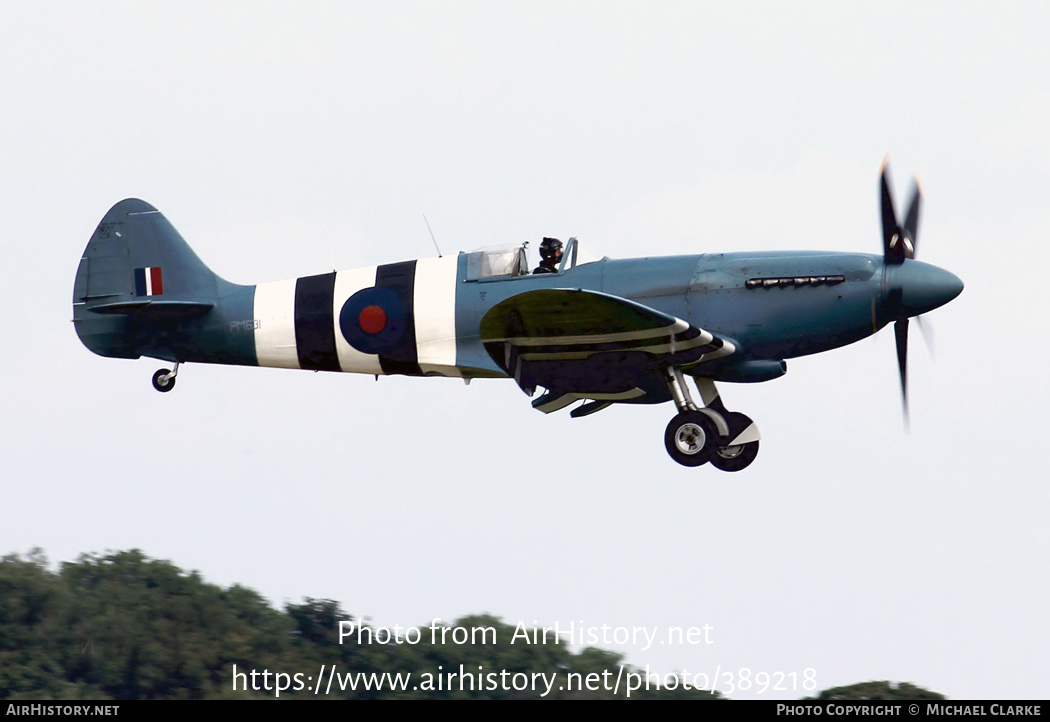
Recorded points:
(923, 287)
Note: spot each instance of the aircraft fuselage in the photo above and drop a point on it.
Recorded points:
(773, 306)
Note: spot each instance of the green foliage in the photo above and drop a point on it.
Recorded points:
(879, 690)
(124, 626)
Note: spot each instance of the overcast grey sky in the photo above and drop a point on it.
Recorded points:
(284, 138)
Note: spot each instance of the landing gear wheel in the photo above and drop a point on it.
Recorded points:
(690, 438)
(734, 458)
(161, 382)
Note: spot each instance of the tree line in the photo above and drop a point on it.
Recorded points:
(124, 626)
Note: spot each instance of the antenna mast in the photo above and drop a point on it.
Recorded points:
(432, 235)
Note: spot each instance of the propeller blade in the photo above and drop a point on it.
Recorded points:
(911, 221)
(890, 230)
(927, 334)
(900, 332)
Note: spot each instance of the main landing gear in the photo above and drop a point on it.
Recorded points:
(164, 380)
(728, 439)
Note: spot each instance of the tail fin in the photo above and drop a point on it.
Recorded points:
(136, 268)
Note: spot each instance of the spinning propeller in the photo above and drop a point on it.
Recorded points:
(910, 287)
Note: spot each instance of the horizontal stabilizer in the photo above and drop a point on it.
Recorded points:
(166, 308)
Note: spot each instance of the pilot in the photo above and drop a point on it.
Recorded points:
(550, 255)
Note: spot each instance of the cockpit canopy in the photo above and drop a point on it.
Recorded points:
(509, 260)
(503, 260)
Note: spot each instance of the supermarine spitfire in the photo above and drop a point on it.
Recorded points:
(607, 331)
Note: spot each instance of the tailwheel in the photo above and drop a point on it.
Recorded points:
(163, 380)
(738, 456)
(691, 438)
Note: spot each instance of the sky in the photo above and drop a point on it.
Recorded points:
(287, 139)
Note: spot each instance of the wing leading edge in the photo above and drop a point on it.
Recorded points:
(587, 345)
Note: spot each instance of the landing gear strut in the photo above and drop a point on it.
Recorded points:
(164, 380)
(728, 439)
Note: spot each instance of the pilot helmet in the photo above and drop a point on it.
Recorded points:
(550, 249)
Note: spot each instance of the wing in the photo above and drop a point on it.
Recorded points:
(590, 345)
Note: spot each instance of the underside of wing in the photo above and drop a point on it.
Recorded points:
(583, 345)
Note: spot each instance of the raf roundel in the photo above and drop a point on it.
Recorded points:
(373, 320)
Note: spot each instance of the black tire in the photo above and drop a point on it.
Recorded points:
(734, 458)
(164, 386)
(691, 438)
